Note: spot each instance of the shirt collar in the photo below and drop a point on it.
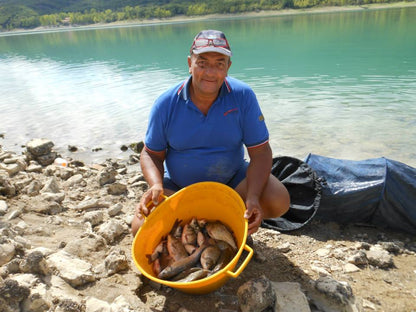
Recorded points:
(183, 90)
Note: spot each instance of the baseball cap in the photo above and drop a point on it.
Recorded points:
(210, 41)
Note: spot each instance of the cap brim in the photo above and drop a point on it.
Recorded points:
(212, 49)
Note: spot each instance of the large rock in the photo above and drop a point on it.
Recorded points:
(39, 147)
(7, 252)
(35, 262)
(290, 298)
(379, 257)
(256, 295)
(112, 229)
(12, 293)
(73, 270)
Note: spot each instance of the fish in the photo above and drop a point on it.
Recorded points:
(194, 224)
(175, 248)
(188, 235)
(159, 249)
(219, 231)
(193, 276)
(182, 264)
(201, 223)
(176, 230)
(200, 238)
(227, 254)
(210, 256)
(190, 248)
(185, 273)
(162, 261)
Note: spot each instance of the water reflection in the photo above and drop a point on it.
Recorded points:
(341, 84)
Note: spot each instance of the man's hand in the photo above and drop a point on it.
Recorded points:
(154, 195)
(254, 215)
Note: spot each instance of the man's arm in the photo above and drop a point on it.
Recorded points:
(258, 173)
(151, 164)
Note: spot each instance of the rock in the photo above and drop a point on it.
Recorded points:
(33, 188)
(137, 147)
(35, 263)
(95, 305)
(351, 268)
(61, 291)
(6, 188)
(13, 169)
(111, 230)
(76, 179)
(7, 252)
(290, 298)
(393, 247)
(46, 207)
(120, 304)
(72, 148)
(68, 305)
(116, 261)
(256, 295)
(322, 252)
(3, 207)
(379, 257)
(107, 176)
(116, 188)
(94, 217)
(340, 292)
(48, 159)
(73, 270)
(53, 197)
(90, 244)
(285, 247)
(360, 258)
(92, 203)
(39, 147)
(51, 186)
(36, 302)
(34, 168)
(12, 292)
(115, 209)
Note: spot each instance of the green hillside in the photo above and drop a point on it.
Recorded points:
(33, 13)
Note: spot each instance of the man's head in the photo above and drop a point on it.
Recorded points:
(209, 62)
(210, 41)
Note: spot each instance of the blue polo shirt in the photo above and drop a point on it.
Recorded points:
(205, 148)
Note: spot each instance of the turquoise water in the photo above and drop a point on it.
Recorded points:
(337, 84)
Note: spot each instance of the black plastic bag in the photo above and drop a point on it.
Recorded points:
(378, 191)
(304, 189)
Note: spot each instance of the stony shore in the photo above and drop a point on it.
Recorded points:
(66, 246)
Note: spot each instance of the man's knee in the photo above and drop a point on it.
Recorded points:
(277, 199)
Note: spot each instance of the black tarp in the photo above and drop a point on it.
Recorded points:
(305, 193)
(377, 191)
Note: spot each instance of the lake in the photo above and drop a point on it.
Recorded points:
(341, 85)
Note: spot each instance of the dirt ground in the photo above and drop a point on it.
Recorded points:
(281, 257)
(288, 258)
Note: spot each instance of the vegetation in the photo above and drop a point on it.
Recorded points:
(33, 13)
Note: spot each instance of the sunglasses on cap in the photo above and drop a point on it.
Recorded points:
(207, 42)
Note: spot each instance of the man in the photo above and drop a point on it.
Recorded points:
(197, 132)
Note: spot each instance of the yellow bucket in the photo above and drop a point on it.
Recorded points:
(208, 200)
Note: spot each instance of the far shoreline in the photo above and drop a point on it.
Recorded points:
(189, 19)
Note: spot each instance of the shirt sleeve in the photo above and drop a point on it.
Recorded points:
(254, 127)
(156, 139)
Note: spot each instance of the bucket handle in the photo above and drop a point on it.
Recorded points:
(244, 264)
(150, 204)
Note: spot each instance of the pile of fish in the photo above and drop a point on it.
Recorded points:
(193, 251)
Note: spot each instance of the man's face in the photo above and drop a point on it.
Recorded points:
(208, 72)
